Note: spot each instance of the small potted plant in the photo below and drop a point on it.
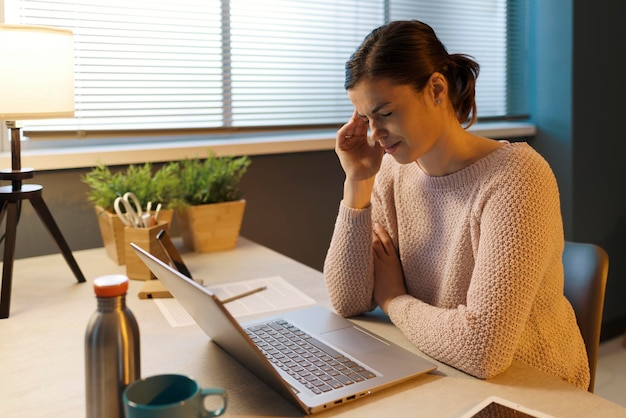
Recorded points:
(210, 204)
(155, 186)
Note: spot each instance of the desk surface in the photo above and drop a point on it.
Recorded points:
(41, 348)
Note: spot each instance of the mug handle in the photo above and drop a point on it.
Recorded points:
(215, 392)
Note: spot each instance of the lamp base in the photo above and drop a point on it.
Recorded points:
(22, 174)
(10, 198)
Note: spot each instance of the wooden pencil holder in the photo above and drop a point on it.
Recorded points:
(146, 239)
(112, 232)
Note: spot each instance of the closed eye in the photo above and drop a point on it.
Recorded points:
(382, 115)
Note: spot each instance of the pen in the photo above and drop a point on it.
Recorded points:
(156, 213)
(244, 294)
(146, 220)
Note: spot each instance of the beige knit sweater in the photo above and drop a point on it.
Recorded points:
(481, 253)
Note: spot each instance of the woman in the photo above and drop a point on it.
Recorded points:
(458, 238)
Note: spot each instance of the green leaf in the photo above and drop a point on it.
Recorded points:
(210, 180)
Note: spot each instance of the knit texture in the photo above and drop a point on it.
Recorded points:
(481, 253)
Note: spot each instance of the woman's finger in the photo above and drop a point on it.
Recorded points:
(354, 127)
(382, 240)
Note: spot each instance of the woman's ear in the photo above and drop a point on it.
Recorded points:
(438, 87)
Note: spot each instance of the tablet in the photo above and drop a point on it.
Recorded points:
(495, 407)
(172, 254)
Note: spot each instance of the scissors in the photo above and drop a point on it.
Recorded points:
(128, 209)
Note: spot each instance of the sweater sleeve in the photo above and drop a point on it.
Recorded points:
(517, 240)
(349, 263)
(348, 268)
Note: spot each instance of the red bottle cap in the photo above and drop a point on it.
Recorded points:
(111, 285)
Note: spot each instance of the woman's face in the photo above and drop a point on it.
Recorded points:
(401, 120)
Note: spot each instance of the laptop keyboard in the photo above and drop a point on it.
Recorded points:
(314, 364)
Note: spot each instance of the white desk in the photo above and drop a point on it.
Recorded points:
(41, 348)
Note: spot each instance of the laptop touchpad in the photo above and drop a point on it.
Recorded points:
(354, 340)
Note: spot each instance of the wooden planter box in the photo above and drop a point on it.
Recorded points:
(112, 232)
(211, 227)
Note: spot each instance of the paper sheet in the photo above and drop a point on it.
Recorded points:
(279, 295)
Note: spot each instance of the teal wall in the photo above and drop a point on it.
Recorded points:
(551, 59)
(577, 104)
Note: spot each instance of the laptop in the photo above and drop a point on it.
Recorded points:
(309, 342)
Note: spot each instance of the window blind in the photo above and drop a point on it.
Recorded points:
(288, 58)
(483, 30)
(146, 65)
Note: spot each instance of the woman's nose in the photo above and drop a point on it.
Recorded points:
(377, 131)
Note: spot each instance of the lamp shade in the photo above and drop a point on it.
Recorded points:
(36, 73)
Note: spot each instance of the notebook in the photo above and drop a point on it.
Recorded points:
(373, 362)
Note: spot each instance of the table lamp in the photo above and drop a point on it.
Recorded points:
(36, 82)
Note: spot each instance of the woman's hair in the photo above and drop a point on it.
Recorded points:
(408, 53)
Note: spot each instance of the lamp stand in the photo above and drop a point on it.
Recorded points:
(10, 200)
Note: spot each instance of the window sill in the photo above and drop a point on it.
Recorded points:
(88, 154)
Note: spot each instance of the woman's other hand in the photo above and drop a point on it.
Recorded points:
(388, 274)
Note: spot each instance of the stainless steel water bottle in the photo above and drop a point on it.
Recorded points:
(112, 357)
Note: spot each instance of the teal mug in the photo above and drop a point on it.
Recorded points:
(170, 395)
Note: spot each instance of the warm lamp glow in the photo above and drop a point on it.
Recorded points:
(37, 73)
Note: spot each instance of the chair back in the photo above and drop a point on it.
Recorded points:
(586, 269)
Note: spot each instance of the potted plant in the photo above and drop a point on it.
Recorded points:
(209, 205)
(155, 186)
